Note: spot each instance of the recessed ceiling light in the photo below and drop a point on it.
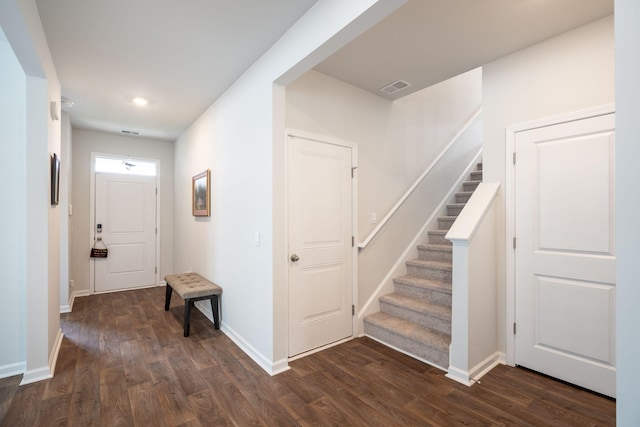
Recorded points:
(140, 101)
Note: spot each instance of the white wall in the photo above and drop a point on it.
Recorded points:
(85, 142)
(627, 34)
(13, 213)
(21, 24)
(396, 142)
(241, 139)
(567, 73)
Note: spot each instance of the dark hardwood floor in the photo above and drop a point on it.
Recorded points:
(124, 362)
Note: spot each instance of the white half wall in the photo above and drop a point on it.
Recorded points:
(627, 31)
(85, 142)
(571, 72)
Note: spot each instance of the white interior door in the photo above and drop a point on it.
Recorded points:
(565, 256)
(320, 244)
(125, 219)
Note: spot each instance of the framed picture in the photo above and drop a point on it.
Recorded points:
(200, 194)
(55, 179)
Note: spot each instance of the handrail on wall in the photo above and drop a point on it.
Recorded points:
(406, 195)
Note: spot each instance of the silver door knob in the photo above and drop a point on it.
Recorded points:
(295, 257)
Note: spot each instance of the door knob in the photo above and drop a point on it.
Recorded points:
(294, 257)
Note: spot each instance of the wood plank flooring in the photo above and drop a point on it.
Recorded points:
(124, 362)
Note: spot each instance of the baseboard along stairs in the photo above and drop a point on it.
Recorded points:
(416, 318)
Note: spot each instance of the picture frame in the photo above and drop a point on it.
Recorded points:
(201, 194)
(55, 179)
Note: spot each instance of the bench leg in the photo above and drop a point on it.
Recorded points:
(187, 316)
(167, 298)
(215, 312)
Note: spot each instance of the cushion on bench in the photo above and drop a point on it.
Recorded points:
(192, 285)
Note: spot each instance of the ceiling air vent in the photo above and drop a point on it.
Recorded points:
(394, 87)
(130, 132)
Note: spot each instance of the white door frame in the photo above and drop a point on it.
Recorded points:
(510, 214)
(354, 223)
(92, 213)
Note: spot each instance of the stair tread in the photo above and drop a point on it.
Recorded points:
(433, 264)
(456, 205)
(421, 282)
(418, 305)
(472, 181)
(448, 217)
(434, 247)
(465, 193)
(438, 232)
(410, 330)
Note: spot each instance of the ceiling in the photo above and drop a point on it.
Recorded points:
(182, 55)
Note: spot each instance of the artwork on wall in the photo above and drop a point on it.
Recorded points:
(200, 194)
(55, 179)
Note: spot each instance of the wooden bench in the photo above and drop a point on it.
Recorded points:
(192, 287)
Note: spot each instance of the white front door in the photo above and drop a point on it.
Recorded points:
(565, 256)
(125, 220)
(320, 244)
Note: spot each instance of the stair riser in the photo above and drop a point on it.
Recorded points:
(479, 166)
(429, 273)
(462, 198)
(476, 176)
(434, 255)
(438, 239)
(439, 357)
(454, 210)
(445, 223)
(430, 295)
(469, 186)
(422, 319)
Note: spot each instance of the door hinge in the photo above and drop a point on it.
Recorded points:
(353, 310)
(514, 243)
(514, 157)
(353, 169)
(156, 270)
(156, 191)
(514, 328)
(156, 230)
(353, 241)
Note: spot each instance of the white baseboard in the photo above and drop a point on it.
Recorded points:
(12, 369)
(65, 309)
(472, 376)
(53, 357)
(45, 372)
(271, 367)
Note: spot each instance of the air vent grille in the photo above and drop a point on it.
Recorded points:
(394, 87)
(130, 132)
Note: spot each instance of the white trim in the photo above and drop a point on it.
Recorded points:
(45, 372)
(92, 214)
(12, 369)
(269, 366)
(474, 374)
(323, 139)
(53, 357)
(36, 375)
(509, 191)
(386, 285)
(65, 309)
(417, 182)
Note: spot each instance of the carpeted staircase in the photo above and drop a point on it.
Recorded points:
(416, 318)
